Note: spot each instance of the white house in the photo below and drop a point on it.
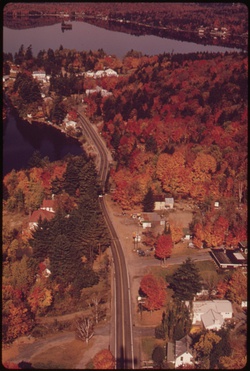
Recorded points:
(101, 73)
(39, 75)
(109, 72)
(211, 313)
(180, 353)
(183, 354)
(159, 203)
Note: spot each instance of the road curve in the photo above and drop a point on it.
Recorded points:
(123, 331)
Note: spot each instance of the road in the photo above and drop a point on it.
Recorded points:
(123, 332)
(90, 132)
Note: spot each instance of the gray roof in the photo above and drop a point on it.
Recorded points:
(183, 346)
(170, 352)
(151, 217)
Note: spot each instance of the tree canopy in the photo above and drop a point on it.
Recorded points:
(186, 281)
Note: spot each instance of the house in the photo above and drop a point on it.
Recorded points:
(159, 203)
(98, 89)
(109, 72)
(169, 203)
(149, 220)
(211, 314)
(48, 205)
(39, 75)
(39, 214)
(70, 124)
(14, 70)
(228, 258)
(101, 73)
(180, 353)
(183, 354)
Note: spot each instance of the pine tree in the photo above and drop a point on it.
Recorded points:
(41, 240)
(148, 201)
(186, 281)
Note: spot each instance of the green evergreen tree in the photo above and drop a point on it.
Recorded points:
(62, 260)
(148, 201)
(71, 180)
(158, 356)
(41, 240)
(186, 281)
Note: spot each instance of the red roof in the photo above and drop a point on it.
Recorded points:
(43, 214)
(48, 203)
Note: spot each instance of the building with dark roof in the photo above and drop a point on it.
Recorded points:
(228, 258)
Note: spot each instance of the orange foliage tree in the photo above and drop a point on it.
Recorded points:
(18, 322)
(176, 231)
(155, 291)
(104, 360)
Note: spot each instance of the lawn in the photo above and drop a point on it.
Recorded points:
(64, 356)
(148, 344)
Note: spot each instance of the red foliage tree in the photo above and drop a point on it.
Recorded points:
(164, 246)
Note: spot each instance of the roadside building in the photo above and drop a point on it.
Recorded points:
(228, 258)
(149, 220)
(211, 314)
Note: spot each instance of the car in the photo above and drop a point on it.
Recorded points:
(141, 253)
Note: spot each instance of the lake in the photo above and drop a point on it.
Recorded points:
(85, 37)
(21, 139)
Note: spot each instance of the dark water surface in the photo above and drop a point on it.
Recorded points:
(21, 139)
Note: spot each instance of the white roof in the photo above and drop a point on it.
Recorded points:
(238, 256)
(223, 306)
(212, 318)
(218, 306)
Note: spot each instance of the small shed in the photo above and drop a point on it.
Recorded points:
(169, 203)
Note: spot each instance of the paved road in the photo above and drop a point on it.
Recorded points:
(123, 333)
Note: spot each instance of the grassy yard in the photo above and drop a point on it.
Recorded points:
(148, 344)
(207, 268)
(64, 356)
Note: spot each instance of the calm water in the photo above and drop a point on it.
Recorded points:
(21, 139)
(85, 37)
